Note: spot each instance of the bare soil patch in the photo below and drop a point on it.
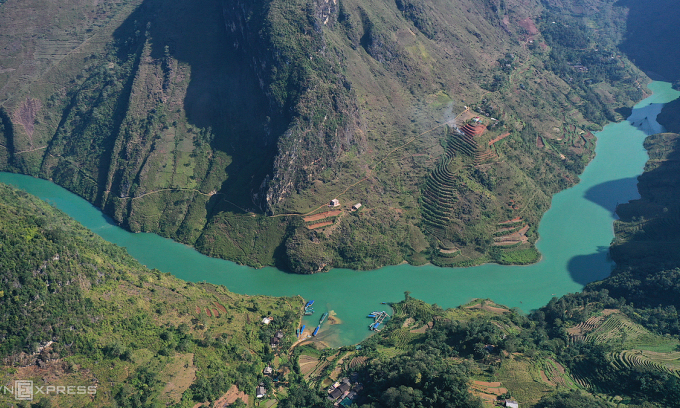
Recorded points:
(512, 221)
(528, 24)
(501, 137)
(321, 216)
(423, 329)
(514, 238)
(230, 397)
(539, 142)
(489, 308)
(26, 113)
(221, 307)
(545, 379)
(320, 225)
(307, 364)
(494, 384)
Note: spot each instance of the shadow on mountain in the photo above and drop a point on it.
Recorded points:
(647, 244)
(609, 194)
(223, 96)
(651, 38)
(588, 268)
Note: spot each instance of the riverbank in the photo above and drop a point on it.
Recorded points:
(575, 237)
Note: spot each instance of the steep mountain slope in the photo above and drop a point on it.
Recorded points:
(229, 125)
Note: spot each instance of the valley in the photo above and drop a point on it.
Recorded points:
(219, 125)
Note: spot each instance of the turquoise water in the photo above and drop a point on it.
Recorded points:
(575, 236)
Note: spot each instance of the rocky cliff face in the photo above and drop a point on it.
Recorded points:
(312, 108)
(213, 123)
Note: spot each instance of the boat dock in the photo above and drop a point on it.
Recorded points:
(309, 310)
(379, 318)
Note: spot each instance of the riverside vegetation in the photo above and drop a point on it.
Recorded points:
(219, 124)
(81, 311)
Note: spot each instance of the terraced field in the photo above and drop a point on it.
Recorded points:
(628, 359)
(637, 346)
(402, 337)
(440, 195)
(556, 374)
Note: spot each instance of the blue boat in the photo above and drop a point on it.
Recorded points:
(316, 330)
(311, 302)
(323, 317)
(371, 315)
(302, 329)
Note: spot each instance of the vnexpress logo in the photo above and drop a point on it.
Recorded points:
(23, 390)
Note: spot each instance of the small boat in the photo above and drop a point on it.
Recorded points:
(376, 326)
(371, 315)
(297, 332)
(311, 302)
(323, 317)
(316, 330)
(302, 329)
(309, 312)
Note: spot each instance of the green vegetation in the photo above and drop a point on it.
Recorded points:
(80, 311)
(273, 107)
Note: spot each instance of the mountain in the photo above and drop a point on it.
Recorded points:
(231, 125)
(79, 311)
(82, 313)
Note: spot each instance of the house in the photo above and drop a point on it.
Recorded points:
(335, 394)
(267, 320)
(279, 335)
(511, 403)
(356, 206)
(260, 391)
(274, 342)
(268, 370)
(334, 203)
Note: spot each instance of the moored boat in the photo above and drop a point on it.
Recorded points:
(323, 317)
(316, 330)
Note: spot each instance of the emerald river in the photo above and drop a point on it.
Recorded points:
(574, 240)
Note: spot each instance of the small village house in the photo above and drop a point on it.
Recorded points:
(356, 206)
(334, 203)
(260, 391)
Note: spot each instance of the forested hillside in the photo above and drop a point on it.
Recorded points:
(229, 125)
(78, 311)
